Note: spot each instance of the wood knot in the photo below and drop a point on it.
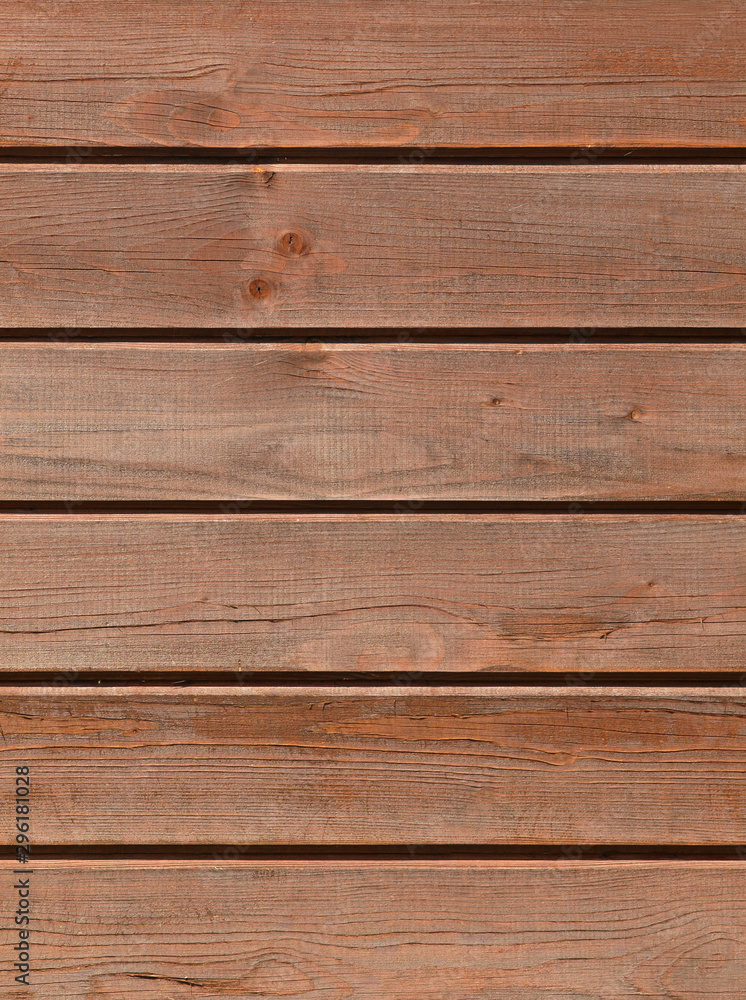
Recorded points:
(257, 289)
(265, 176)
(293, 244)
(634, 414)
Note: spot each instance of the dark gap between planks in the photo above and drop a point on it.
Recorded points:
(562, 682)
(375, 335)
(409, 506)
(408, 155)
(227, 853)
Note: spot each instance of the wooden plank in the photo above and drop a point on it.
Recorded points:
(113, 421)
(432, 765)
(292, 246)
(386, 592)
(334, 930)
(305, 73)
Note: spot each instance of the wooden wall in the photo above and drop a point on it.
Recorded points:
(372, 500)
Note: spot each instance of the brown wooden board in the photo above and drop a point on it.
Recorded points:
(403, 592)
(335, 930)
(345, 73)
(289, 246)
(431, 765)
(113, 421)
(244, 744)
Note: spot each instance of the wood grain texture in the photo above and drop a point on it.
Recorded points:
(434, 930)
(401, 592)
(398, 73)
(281, 421)
(283, 766)
(298, 246)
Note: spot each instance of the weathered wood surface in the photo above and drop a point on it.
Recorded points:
(113, 421)
(351, 74)
(403, 592)
(431, 765)
(434, 930)
(289, 246)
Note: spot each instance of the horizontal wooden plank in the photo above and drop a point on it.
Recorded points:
(402, 592)
(113, 421)
(435, 930)
(289, 246)
(376, 766)
(336, 73)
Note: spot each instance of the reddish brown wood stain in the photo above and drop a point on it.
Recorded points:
(391, 246)
(299, 73)
(566, 594)
(382, 765)
(383, 929)
(398, 252)
(322, 420)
